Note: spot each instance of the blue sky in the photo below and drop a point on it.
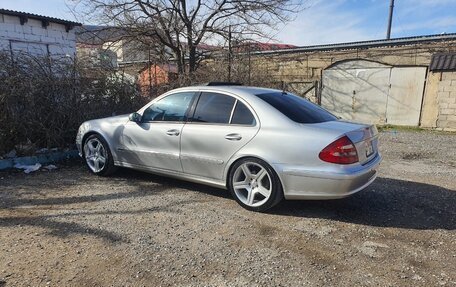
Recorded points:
(323, 21)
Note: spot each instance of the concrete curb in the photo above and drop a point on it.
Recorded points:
(51, 157)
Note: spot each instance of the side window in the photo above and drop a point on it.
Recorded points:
(242, 115)
(172, 108)
(214, 108)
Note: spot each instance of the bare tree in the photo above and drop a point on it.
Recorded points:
(183, 25)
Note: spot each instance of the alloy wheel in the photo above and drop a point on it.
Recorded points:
(95, 154)
(252, 184)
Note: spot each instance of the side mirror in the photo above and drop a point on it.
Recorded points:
(135, 117)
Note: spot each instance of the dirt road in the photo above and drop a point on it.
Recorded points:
(70, 228)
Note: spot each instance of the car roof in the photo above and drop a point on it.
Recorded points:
(234, 89)
(268, 115)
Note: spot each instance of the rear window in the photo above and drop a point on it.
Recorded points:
(296, 108)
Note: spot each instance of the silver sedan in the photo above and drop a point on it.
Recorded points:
(263, 145)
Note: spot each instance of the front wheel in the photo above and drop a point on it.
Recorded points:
(255, 185)
(97, 156)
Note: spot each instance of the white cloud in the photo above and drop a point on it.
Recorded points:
(414, 3)
(444, 23)
(355, 20)
(325, 22)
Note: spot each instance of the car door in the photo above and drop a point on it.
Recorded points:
(155, 141)
(221, 124)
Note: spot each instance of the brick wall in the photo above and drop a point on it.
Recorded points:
(152, 76)
(33, 38)
(447, 101)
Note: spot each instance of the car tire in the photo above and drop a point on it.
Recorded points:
(97, 156)
(254, 184)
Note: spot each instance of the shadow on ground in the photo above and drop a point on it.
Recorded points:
(386, 203)
(34, 211)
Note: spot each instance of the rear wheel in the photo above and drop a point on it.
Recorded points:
(98, 156)
(255, 185)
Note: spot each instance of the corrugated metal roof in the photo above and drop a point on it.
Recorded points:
(38, 17)
(443, 62)
(97, 35)
(262, 46)
(366, 44)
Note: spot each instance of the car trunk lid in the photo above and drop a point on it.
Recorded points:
(363, 136)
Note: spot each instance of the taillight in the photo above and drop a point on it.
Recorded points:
(341, 151)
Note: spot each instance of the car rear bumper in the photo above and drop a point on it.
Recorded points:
(302, 183)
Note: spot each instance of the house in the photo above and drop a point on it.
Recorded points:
(105, 46)
(37, 35)
(108, 44)
(90, 40)
(154, 75)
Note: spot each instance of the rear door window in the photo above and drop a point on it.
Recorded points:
(296, 108)
(242, 115)
(214, 108)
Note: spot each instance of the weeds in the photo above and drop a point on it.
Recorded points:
(43, 101)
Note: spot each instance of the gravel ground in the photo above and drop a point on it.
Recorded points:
(69, 228)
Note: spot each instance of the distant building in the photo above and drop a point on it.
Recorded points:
(95, 41)
(92, 45)
(154, 75)
(38, 35)
(105, 45)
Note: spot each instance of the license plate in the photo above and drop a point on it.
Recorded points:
(369, 148)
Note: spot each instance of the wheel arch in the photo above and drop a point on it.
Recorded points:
(94, 132)
(233, 161)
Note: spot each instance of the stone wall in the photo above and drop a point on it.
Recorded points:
(307, 66)
(440, 90)
(33, 38)
(447, 101)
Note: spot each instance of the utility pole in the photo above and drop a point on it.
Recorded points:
(229, 53)
(390, 20)
(149, 72)
(250, 65)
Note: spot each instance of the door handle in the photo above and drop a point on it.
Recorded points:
(173, 132)
(233, 137)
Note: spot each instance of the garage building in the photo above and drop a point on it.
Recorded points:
(404, 81)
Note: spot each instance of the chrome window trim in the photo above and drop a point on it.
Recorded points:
(252, 111)
(156, 100)
(232, 111)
